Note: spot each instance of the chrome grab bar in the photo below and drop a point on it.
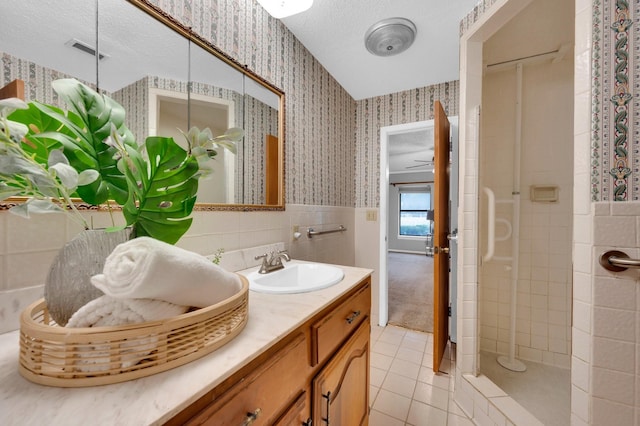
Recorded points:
(311, 232)
(617, 261)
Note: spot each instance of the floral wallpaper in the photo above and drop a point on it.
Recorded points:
(397, 108)
(37, 79)
(475, 14)
(615, 125)
(331, 141)
(320, 114)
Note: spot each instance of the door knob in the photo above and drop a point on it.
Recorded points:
(437, 250)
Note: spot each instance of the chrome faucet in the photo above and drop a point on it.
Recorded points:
(272, 262)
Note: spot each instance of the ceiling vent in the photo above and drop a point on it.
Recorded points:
(390, 36)
(84, 47)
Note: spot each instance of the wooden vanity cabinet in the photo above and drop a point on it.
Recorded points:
(320, 369)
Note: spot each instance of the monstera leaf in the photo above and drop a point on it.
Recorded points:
(88, 151)
(162, 189)
(80, 132)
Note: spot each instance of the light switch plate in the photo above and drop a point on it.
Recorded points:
(372, 215)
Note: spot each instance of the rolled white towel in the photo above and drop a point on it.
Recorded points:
(147, 268)
(109, 311)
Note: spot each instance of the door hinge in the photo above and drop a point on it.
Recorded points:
(449, 310)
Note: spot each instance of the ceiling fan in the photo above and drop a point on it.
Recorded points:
(423, 163)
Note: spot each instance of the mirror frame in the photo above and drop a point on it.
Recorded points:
(189, 34)
(276, 168)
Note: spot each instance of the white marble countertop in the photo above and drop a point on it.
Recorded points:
(155, 399)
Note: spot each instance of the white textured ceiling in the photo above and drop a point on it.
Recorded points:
(411, 151)
(333, 31)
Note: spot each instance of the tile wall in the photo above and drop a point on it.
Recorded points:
(605, 332)
(30, 245)
(606, 373)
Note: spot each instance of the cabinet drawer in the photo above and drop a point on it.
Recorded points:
(328, 333)
(264, 393)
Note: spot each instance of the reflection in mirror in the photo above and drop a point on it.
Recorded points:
(41, 42)
(156, 59)
(260, 115)
(261, 144)
(150, 73)
(215, 102)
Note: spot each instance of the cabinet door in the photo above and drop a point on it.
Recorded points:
(341, 388)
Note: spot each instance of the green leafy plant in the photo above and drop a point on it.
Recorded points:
(50, 155)
(217, 256)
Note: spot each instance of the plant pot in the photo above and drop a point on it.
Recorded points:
(68, 286)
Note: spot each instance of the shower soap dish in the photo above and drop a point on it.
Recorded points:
(76, 357)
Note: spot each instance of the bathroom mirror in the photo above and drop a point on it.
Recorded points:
(168, 79)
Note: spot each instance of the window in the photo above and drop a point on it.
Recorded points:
(414, 206)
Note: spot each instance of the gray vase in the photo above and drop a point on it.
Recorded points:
(68, 286)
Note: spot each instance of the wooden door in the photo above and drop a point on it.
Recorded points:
(272, 178)
(440, 232)
(15, 89)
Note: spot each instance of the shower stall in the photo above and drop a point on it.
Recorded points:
(525, 217)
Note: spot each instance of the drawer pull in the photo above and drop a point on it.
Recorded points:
(328, 398)
(353, 316)
(251, 417)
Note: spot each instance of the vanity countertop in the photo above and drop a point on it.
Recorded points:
(155, 399)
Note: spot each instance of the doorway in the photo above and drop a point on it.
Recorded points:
(399, 167)
(172, 113)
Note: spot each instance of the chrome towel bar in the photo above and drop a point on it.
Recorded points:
(311, 232)
(617, 261)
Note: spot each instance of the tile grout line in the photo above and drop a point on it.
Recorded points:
(397, 337)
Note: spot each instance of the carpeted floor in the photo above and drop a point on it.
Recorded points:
(410, 291)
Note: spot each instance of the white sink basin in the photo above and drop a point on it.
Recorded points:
(295, 278)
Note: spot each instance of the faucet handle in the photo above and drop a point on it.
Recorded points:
(284, 254)
(265, 263)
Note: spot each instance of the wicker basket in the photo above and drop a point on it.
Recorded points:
(76, 357)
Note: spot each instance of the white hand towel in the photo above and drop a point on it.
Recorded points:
(147, 268)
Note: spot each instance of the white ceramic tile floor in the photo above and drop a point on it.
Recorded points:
(404, 389)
